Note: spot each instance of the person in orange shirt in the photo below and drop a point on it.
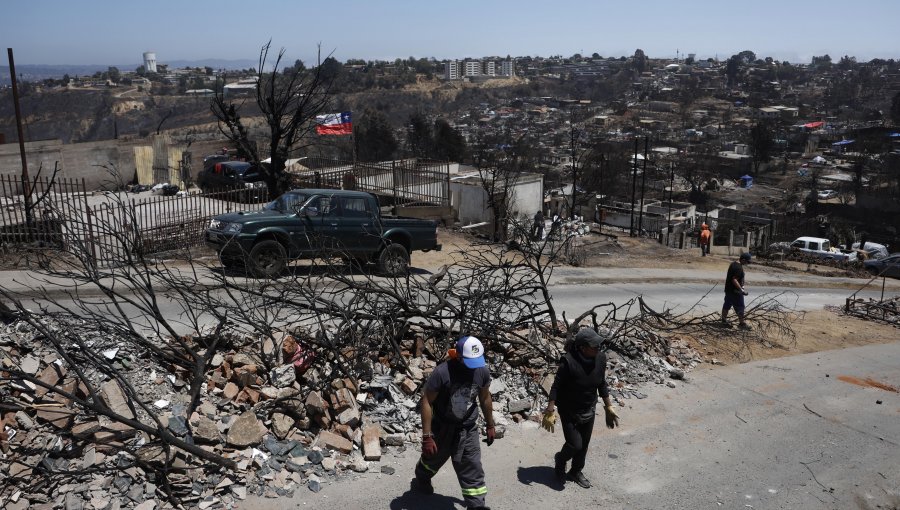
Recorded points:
(705, 237)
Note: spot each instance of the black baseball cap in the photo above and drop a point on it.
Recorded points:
(588, 337)
(746, 256)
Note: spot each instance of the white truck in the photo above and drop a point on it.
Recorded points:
(821, 247)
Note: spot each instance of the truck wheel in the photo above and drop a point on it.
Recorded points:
(267, 259)
(393, 260)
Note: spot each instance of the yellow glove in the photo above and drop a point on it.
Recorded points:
(549, 422)
(612, 419)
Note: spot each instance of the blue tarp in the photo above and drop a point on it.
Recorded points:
(747, 181)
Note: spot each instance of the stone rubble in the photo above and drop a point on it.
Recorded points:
(287, 423)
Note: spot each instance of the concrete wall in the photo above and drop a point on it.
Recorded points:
(94, 161)
(470, 201)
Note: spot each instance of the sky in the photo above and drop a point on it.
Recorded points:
(107, 32)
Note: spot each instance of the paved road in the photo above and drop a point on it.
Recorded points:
(682, 296)
(791, 433)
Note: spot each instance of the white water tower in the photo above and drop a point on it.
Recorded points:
(150, 61)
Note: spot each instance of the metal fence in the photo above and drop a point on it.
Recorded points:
(109, 228)
(121, 229)
(28, 209)
(400, 182)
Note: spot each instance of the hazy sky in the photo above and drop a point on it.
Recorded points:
(117, 32)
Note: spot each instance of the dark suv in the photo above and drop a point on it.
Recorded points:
(239, 176)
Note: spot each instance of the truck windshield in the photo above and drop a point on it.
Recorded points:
(287, 203)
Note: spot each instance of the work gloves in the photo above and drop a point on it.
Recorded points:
(548, 422)
(429, 447)
(491, 435)
(612, 419)
(744, 292)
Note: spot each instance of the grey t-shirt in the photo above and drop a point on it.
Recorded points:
(457, 388)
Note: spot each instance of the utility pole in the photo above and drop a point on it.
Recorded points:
(574, 167)
(671, 187)
(643, 184)
(26, 181)
(633, 186)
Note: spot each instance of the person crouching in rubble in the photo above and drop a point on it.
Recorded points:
(581, 376)
(449, 421)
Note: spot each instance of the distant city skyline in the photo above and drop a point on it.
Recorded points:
(105, 32)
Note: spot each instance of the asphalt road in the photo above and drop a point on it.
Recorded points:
(682, 296)
(804, 432)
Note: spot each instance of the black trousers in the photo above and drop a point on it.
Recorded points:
(578, 437)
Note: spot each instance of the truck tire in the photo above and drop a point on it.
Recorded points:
(393, 260)
(268, 259)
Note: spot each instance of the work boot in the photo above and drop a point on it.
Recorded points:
(580, 479)
(423, 486)
(744, 326)
(559, 469)
(725, 325)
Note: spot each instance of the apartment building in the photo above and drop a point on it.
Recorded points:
(471, 68)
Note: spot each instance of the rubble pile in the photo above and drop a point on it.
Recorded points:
(286, 415)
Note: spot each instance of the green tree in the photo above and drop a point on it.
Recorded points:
(419, 136)
(114, 74)
(374, 138)
(640, 61)
(895, 109)
(448, 144)
(762, 144)
(733, 69)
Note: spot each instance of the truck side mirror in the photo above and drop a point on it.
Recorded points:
(309, 211)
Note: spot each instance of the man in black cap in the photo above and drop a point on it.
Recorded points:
(580, 378)
(735, 292)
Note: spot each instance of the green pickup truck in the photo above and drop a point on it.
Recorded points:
(315, 223)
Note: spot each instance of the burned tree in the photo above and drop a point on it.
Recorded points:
(289, 99)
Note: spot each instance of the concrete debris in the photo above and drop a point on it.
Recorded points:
(247, 430)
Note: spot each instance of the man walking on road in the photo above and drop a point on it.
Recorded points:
(580, 378)
(449, 421)
(735, 292)
(537, 228)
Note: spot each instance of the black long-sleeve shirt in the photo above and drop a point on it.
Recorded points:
(571, 395)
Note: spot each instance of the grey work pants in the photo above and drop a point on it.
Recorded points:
(462, 447)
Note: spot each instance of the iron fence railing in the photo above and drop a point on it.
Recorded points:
(109, 227)
(400, 182)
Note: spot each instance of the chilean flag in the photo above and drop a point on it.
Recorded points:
(334, 124)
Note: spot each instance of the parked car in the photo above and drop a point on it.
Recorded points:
(228, 175)
(210, 161)
(887, 266)
(873, 250)
(821, 247)
(314, 223)
(826, 194)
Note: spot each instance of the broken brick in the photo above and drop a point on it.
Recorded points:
(334, 442)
